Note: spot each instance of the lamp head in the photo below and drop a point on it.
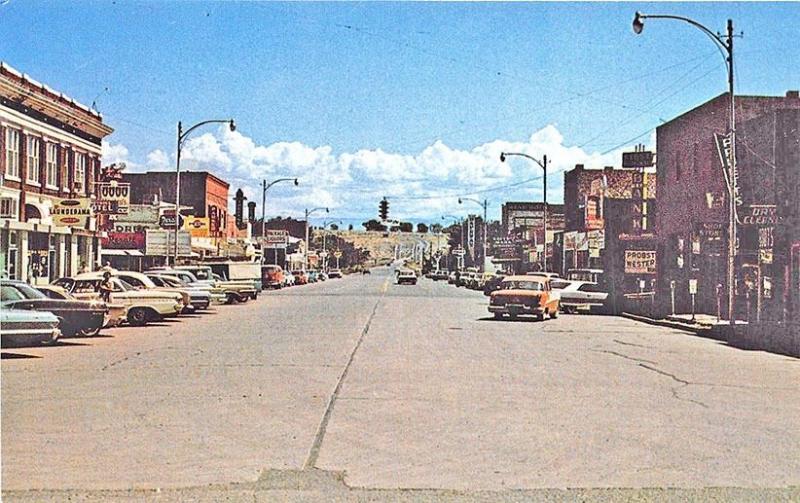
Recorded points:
(638, 23)
(502, 157)
(296, 183)
(459, 200)
(232, 125)
(327, 210)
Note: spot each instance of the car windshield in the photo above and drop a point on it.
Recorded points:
(65, 283)
(9, 293)
(523, 285)
(559, 285)
(29, 292)
(125, 285)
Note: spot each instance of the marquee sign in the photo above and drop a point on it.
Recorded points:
(113, 198)
(276, 238)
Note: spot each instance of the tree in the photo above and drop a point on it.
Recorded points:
(422, 228)
(406, 227)
(436, 228)
(334, 227)
(373, 225)
(350, 227)
(383, 209)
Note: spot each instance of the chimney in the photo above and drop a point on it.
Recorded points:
(793, 94)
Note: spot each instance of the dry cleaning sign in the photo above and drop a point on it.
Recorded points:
(72, 212)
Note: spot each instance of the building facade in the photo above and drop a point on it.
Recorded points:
(50, 152)
(692, 222)
(523, 226)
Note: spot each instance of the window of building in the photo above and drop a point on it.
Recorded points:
(34, 168)
(80, 172)
(12, 153)
(51, 171)
(8, 207)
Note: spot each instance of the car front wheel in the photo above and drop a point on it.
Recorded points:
(137, 317)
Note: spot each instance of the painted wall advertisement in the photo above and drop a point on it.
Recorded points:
(640, 261)
(197, 227)
(72, 212)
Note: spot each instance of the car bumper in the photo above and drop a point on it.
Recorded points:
(516, 309)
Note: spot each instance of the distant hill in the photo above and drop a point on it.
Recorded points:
(382, 245)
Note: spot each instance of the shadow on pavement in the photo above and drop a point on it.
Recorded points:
(16, 356)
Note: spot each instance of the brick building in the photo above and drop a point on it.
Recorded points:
(588, 193)
(203, 195)
(692, 221)
(50, 151)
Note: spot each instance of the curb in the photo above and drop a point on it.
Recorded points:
(707, 333)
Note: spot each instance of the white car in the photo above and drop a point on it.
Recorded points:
(406, 276)
(143, 305)
(581, 296)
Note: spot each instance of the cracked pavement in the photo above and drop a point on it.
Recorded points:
(381, 389)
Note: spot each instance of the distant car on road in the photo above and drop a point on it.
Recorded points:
(334, 273)
(300, 277)
(406, 276)
(524, 295)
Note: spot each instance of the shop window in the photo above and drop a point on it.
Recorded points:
(13, 255)
(51, 164)
(34, 168)
(8, 207)
(12, 153)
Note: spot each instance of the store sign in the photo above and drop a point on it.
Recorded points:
(723, 142)
(570, 240)
(112, 198)
(197, 227)
(72, 212)
(124, 240)
(506, 248)
(640, 262)
(168, 221)
(277, 238)
(758, 214)
(597, 239)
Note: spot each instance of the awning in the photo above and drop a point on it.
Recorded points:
(122, 253)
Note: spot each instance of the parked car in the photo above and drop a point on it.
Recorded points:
(451, 278)
(524, 295)
(234, 290)
(200, 298)
(143, 305)
(19, 327)
(300, 277)
(334, 273)
(76, 317)
(141, 281)
(190, 281)
(313, 276)
(117, 312)
(272, 276)
(288, 279)
(583, 296)
(239, 271)
(322, 276)
(406, 276)
(439, 275)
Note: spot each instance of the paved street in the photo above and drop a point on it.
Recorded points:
(396, 387)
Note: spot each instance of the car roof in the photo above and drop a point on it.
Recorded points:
(539, 279)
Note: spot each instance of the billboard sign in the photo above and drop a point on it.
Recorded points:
(160, 242)
(644, 159)
(124, 240)
(73, 212)
(276, 238)
(640, 262)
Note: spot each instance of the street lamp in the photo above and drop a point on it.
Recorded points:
(182, 135)
(485, 205)
(543, 165)
(266, 186)
(309, 212)
(723, 43)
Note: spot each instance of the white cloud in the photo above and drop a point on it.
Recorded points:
(114, 153)
(424, 185)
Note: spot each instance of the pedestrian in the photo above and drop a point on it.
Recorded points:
(106, 287)
(84, 268)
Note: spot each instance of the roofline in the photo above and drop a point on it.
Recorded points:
(48, 90)
(207, 173)
(718, 97)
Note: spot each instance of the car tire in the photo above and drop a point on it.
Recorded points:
(540, 317)
(231, 298)
(138, 316)
(498, 316)
(89, 332)
(554, 314)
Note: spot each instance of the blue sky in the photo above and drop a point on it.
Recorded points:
(408, 100)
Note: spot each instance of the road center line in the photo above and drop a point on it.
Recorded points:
(313, 455)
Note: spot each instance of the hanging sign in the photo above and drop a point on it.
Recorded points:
(113, 198)
(72, 212)
(640, 262)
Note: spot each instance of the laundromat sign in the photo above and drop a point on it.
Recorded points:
(72, 212)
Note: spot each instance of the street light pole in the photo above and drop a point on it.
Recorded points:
(723, 43)
(543, 165)
(181, 138)
(266, 186)
(309, 212)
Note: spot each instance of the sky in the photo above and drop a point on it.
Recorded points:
(409, 101)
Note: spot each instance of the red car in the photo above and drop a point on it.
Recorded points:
(300, 277)
(272, 276)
